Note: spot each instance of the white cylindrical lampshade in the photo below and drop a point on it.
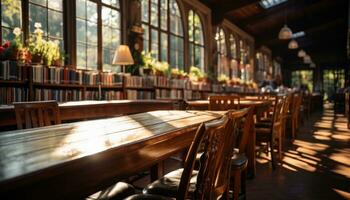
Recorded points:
(285, 33)
(122, 56)
(293, 44)
(301, 53)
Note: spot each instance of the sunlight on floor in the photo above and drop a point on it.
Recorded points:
(342, 193)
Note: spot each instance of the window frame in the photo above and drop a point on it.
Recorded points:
(69, 28)
(159, 30)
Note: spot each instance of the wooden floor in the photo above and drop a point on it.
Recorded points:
(315, 166)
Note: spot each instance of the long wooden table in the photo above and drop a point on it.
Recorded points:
(74, 160)
(80, 110)
(258, 106)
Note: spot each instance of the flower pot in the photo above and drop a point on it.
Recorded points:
(57, 63)
(147, 71)
(37, 59)
(159, 73)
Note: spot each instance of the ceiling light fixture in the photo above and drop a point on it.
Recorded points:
(285, 33)
(293, 44)
(301, 53)
(307, 59)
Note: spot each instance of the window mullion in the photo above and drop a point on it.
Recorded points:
(99, 36)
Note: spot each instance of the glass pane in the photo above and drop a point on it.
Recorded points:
(154, 14)
(55, 4)
(145, 37)
(164, 46)
(154, 42)
(91, 57)
(11, 13)
(91, 33)
(164, 19)
(81, 30)
(145, 10)
(191, 55)
(37, 14)
(40, 2)
(7, 34)
(114, 3)
(81, 56)
(55, 24)
(81, 8)
(91, 11)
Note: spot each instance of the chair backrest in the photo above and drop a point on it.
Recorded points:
(213, 176)
(245, 129)
(278, 110)
(297, 101)
(37, 114)
(190, 162)
(224, 102)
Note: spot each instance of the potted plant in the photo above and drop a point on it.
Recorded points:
(10, 50)
(52, 53)
(148, 61)
(223, 78)
(37, 45)
(175, 73)
(161, 68)
(136, 68)
(182, 74)
(196, 74)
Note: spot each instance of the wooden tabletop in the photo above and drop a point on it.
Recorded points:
(71, 161)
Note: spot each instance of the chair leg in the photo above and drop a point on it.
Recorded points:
(272, 154)
(243, 183)
(237, 185)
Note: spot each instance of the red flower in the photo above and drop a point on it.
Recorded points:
(2, 49)
(6, 44)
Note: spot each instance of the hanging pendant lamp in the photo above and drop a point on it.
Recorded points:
(293, 44)
(301, 53)
(285, 33)
(307, 59)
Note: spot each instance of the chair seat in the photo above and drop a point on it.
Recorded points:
(168, 185)
(117, 191)
(239, 161)
(148, 197)
(263, 124)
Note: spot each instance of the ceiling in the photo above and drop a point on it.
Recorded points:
(325, 23)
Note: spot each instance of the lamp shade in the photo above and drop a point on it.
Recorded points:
(293, 44)
(301, 53)
(312, 65)
(285, 33)
(307, 59)
(122, 56)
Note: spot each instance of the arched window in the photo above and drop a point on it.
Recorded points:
(221, 50)
(233, 50)
(163, 37)
(196, 40)
(88, 13)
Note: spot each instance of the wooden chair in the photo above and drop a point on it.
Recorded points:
(239, 160)
(37, 114)
(295, 112)
(273, 132)
(212, 179)
(224, 102)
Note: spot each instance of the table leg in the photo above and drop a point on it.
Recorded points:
(251, 152)
(157, 171)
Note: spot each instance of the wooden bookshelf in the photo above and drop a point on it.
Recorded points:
(88, 85)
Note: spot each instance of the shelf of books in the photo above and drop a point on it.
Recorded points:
(37, 83)
(13, 82)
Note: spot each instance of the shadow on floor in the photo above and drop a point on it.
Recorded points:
(315, 166)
